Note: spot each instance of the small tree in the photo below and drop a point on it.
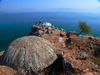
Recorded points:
(84, 27)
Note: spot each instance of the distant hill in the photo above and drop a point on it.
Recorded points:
(91, 10)
(88, 10)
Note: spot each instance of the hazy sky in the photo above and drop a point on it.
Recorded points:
(47, 4)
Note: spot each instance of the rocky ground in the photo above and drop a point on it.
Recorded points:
(77, 54)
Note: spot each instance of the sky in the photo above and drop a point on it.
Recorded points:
(45, 5)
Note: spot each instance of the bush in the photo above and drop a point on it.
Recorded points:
(96, 60)
(92, 45)
(70, 46)
(96, 52)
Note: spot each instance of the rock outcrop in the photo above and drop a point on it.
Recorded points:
(78, 60)
(5, 70)
(29, 54)
(77, 54)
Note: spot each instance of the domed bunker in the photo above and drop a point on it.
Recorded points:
(47, 24)
(29, 53)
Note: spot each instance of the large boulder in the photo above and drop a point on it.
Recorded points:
(29, 53)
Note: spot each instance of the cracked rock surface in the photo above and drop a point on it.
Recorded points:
(29, 53)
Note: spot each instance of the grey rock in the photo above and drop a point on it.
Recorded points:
(91, 46)
(52, 32)
(39, 33)
(98, 69)
(60, 53)
(88, 49)
(43, 31)
(81, 55)
(62, 29)
(62, 34)
(56, 28)
(34, 28)
(29, 52)
(53, 27)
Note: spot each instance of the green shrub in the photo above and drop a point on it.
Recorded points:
(92, 45)
(97, 52)
(47, 29)
(70, 46)
(96, 60)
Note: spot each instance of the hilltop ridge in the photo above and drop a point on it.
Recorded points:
(76, 54)
(81, 52)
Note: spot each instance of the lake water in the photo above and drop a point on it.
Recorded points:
(15, 25)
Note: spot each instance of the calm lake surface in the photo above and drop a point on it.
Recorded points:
(15, 25)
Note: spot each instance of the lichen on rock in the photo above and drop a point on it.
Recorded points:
(29, 53)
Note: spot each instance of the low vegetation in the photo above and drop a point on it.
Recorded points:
(70, 46)
(96, 58)
(92, 45)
